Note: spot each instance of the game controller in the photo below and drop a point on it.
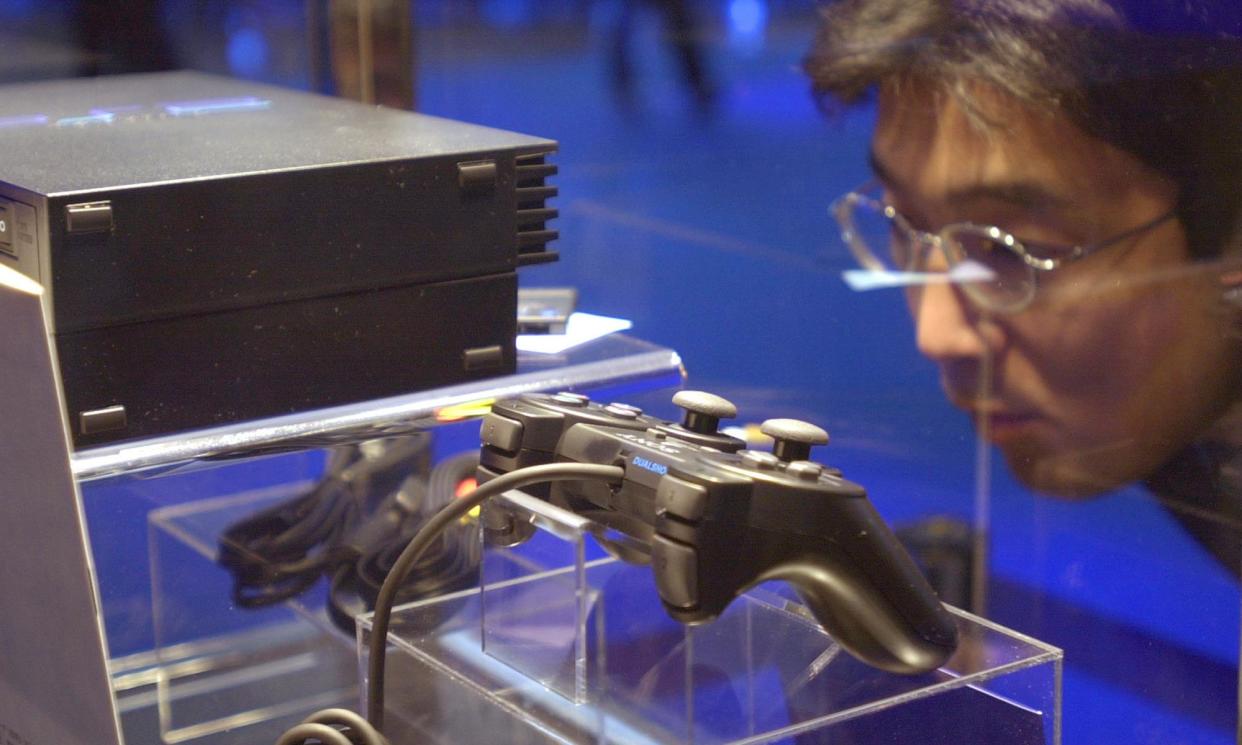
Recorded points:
(719, 519)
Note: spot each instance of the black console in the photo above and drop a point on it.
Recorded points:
(718, 519)
(215, 250)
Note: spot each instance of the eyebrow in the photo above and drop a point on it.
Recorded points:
(1025, 194)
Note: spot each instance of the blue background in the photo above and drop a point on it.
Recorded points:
(709, 230)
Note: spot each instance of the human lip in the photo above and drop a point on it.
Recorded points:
(996, 420)
(1000, 426)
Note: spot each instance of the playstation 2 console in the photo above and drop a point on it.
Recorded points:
(214, 250)
(713, 518)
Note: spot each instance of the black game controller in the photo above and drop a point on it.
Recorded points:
(719, 519)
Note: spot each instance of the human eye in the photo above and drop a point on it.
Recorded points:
(1041, 233)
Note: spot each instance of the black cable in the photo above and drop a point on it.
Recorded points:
(429, 532)
(282, 551)
(351, 728)
(451, 564)
(308, 731)
(333, 727)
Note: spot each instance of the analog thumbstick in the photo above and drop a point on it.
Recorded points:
(793, 438)
(703, 410)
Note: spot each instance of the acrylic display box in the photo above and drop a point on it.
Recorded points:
(208, 671)
(563, 643)
(224, 668)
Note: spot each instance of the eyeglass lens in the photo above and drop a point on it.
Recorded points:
(1013, 281)
(879, 241)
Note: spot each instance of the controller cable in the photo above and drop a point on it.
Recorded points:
(451, 565)
(350, 729)
(282, 551)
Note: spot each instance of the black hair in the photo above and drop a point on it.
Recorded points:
(1160, 79)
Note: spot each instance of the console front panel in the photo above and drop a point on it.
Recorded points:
(187, 373)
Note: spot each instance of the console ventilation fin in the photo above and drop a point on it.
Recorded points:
(533, 214)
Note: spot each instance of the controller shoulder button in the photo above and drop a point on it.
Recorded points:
(501, 432)
(676, 569)
(680, 498)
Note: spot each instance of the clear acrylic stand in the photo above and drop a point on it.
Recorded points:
(564, 643)
(223, 667)
(219, 674)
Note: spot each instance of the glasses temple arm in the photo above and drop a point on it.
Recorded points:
(1084, 250)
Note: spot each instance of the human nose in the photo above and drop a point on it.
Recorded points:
(948, 326)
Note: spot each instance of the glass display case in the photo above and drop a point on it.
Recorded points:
(1053, 434)
(196, 658)
(563, 642)
(213, 667)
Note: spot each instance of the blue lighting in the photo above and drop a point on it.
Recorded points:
(748, 17)
(117, 110)
(34, 120)
(216, 105)
(10, 8)
(77, 121)
(507, 13)
(248, 52)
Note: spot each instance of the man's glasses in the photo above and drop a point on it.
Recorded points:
(1006, 268)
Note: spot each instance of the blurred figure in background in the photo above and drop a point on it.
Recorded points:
(683, 36)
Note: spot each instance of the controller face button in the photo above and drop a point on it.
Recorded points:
(501, 432)
(681, 498)
(804, 470)
(628, 407)
(571, 399)
(676, 568)
(759, 459)
(621, 411)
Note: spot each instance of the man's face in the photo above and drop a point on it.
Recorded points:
(1123, 357)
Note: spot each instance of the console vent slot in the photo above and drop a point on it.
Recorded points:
(533, 213)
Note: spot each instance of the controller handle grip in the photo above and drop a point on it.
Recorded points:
(863, 621)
